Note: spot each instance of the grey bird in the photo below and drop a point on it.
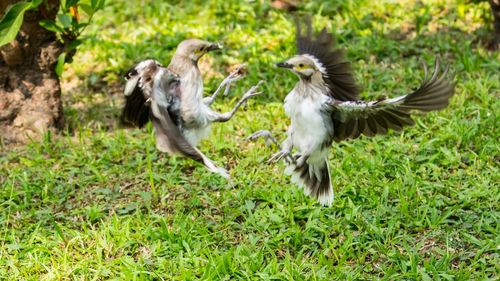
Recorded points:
(324, 107)
(172, 98)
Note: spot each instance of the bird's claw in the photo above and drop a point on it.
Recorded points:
(256, 135)
(249, 95)
(234, 76)
(230, 79)
(238, 69)
(283, 153)
(261, 134)
(278, 156)
(251, 92)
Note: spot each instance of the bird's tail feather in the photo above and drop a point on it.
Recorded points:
(211, 165)
(433, 94)
(314, 177)
(170, 139)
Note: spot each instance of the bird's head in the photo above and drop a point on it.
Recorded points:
(302, 65)
(194, 49)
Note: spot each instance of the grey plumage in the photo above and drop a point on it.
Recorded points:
(324, 107)
(172, 98)
(162, 109)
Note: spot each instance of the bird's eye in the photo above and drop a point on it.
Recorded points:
(301, 65)
(200, 49)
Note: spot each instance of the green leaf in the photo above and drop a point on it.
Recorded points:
(51, 26)
(71, 3)
(60, 64)
(36, 3)
(87, 9)
(97, 4)
(65, 20)
(101, 4)
(74, 44)
(426, 277)
(12, 21)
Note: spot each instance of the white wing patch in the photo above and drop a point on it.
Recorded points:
(130, 86)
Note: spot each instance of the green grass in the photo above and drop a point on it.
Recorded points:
(98, 202)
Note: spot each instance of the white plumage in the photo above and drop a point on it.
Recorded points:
(324, 107)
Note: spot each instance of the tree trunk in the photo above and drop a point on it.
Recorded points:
(495, 9)
(30, 93)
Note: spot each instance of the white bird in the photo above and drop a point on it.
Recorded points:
(172, 98)
(323, 107)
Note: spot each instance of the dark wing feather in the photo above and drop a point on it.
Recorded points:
(355, 118)
(135, 112)
(338, 73)
(137, 90)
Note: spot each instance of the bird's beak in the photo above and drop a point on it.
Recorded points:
(284, 65)
(214, 47)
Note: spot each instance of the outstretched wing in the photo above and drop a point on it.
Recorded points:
(153, 93)
(137, 91)
(352, 119)
(331, 61)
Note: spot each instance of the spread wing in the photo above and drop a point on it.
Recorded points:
(138, 90)
(355, 118)
(331, 61)
(152, 93)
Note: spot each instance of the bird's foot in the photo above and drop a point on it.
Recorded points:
(278, 156)
(252, 92)
(223, 172)
(234, 76)
(263, 134)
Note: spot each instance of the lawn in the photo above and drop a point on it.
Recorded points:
(99, 202)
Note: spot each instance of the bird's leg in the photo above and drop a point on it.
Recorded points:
(280, 155)
(285, 152)
(301, 157)
(223, 117)
(285, 148)
(263, 134)
(235, 75)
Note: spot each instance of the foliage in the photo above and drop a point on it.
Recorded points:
(68, 24)
(102, 203)
(13, 19)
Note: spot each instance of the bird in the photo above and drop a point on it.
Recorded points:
(172, 99)
(324, 107)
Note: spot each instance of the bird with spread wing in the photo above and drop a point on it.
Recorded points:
(324, 107)
(172, 98)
